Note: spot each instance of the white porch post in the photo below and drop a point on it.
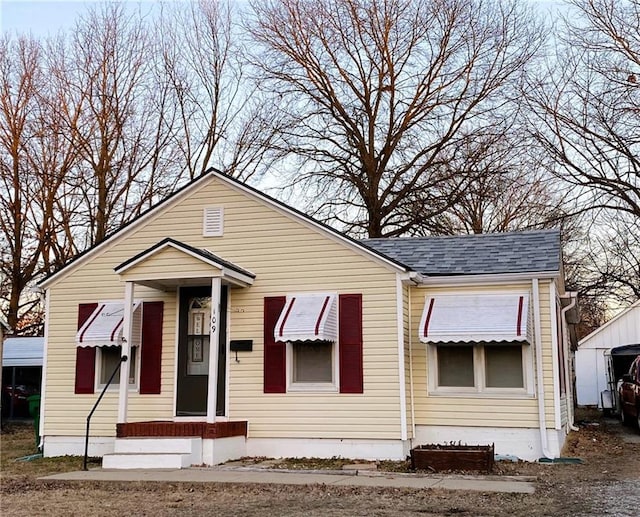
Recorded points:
(127, 331)
(214, 333)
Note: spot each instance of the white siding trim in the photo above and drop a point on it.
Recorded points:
(43, 389)
(127, 331)
(175, 355)
(401, 373)
(214, 350)
(411, 387)
(554, 351)
(542, 418)
(227, 369)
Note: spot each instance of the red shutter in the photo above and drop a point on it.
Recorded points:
(350, 343)
(274, 352)
(85, 357)
(151, 354)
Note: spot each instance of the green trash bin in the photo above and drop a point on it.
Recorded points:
(34, 411)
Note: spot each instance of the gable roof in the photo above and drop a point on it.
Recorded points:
(193, 186)
(202, 253)
(483, 254)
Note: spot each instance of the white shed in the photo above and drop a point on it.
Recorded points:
(590, 365)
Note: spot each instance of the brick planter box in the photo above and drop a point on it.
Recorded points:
(437, 458)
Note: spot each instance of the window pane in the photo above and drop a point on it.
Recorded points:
(455, 366)
(503, 366)
(110, 357)
(312, 362)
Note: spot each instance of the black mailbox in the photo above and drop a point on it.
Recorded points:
(241, 345)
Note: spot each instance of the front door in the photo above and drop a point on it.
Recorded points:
(194, 351)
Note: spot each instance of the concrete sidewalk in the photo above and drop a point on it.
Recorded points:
(511, 484)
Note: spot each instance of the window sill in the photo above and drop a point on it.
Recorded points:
(311, 387)
(133, 388)
(482, 394)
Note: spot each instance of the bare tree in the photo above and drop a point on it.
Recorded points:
(508, 186)
(586, 109)
(21, 75)
(585, 115)
(124, 128)
(373, 96)
(217, 109)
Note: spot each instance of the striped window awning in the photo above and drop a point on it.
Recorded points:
(308, 317)
(476, 318)
(105, 325)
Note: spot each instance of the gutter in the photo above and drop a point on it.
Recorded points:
(573, 295)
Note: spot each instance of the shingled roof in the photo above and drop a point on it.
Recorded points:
(491, 253)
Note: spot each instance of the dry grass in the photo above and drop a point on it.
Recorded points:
(18, 441)
(601, 485)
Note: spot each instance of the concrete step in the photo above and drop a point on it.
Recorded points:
(135, 460)
(158, 445)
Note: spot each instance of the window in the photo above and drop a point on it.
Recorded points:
(109, 358)
(312, 362)
(306, 348)
(480, 368)
(503, 366)
(455, 366)
(312, 366)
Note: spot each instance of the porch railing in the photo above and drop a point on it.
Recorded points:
(86, 436)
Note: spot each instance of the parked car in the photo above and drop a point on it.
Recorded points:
(630, 394)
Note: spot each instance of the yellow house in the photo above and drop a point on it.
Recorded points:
(243, 327)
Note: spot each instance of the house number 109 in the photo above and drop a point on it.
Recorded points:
(214, 320)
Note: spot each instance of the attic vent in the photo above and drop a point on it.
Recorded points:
(212, 222)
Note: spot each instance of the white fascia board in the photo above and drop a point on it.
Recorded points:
(497, 278)
(124, 232)
(240, 278)
(411, 278)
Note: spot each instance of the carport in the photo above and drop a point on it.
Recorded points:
(21, 374)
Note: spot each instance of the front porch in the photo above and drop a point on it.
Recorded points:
(174, 445)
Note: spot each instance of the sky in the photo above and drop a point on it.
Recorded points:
(46, 17)
(40, 17)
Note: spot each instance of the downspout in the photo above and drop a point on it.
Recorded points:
(539, 370)
(573, 295)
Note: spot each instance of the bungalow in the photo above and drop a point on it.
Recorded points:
(245, 327)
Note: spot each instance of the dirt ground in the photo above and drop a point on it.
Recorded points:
(606, 483)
